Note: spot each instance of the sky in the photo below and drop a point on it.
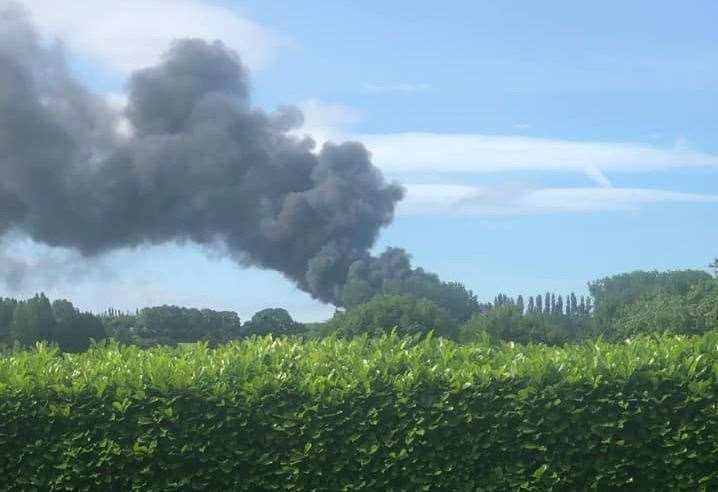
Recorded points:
(542, 144)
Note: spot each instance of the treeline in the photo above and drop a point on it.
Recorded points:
(545, 318)
(169, 325)
(618, 307)
(415, 302)
(37, 319)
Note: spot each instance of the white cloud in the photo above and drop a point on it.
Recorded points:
(401, 87)
(130, 34)
(434, 199)
(411, 152)
(597, 175)
(437, 153)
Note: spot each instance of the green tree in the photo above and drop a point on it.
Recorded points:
(73, 331)
(692, 313)
(460, 302)
(7, 308)
(170, 325)
(405, 314)
(120, 326)
(32, 321)
(548, 304)
(611, 294)
(507, 323)
(76, 334)
(275, 321)
(63, 310)
(573, 305)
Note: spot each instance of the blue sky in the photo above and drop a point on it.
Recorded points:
(543, 144)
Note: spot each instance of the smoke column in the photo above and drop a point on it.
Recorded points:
(200, 164)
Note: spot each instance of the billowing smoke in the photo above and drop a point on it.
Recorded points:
(200, 164)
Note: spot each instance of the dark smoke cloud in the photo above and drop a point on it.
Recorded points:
(201, 165)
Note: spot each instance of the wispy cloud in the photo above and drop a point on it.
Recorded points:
(401, 87)
(475, 153)
(445, 153)
(134, 33)
(436, 199)
(597, 176)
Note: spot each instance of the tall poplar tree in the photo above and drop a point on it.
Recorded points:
(573, 308)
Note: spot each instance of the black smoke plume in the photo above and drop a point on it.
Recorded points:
(200, 164)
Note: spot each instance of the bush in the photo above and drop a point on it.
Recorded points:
(363, 414)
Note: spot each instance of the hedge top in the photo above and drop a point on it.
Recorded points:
(331, 366)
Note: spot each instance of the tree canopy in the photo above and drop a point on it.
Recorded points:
(173, 324)
(32, 320)
(610, 294)
(620, 307)
(406, 314)
(275, 321)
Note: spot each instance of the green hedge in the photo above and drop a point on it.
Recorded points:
(366, 414)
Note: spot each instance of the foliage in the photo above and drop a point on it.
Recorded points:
(459, 302)
(380, 413)
(173, 324)
(391, 273)
(121, 326)
(274, 321)
(73, 330)
(404, 314)
(693, 313)
(552, 322)
(411, 301)
(611, 294)
(32, 321)
(7, 309)
(75, 335)
(507, 323)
